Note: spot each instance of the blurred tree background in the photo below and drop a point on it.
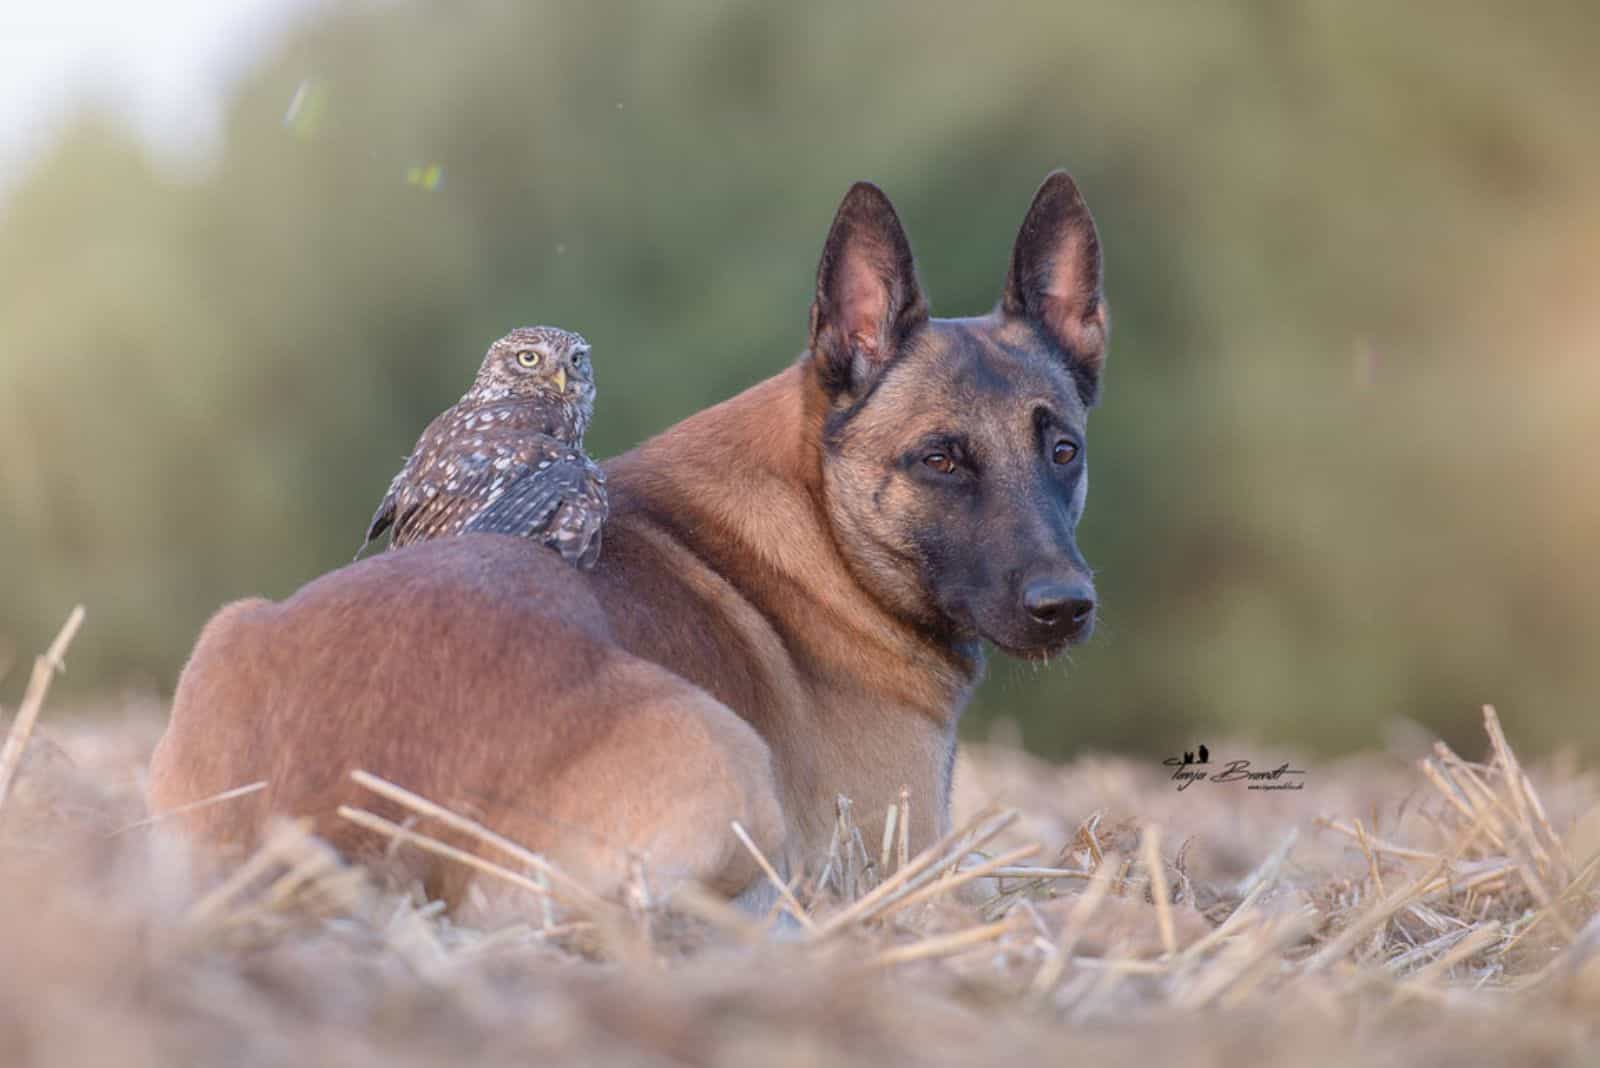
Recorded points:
(1345, 469)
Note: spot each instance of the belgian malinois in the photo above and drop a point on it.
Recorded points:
(791, 606)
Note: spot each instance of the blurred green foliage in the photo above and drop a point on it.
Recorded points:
(1339, 471)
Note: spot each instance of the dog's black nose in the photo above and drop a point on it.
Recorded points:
(1054, 601)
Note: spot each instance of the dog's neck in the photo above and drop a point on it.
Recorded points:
(742, 482)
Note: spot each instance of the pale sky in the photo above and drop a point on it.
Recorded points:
(166, 64)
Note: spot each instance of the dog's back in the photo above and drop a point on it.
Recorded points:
(479, 672)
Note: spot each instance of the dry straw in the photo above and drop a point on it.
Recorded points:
(44, 669)
(1496, 850)
(1471, 898)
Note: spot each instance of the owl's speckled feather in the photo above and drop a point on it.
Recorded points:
(508, 457)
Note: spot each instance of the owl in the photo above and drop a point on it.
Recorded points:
(508, 457)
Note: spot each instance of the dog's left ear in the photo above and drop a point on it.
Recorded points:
(1054, 281)
(868, 300)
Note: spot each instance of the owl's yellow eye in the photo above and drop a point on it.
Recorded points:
(528, 358)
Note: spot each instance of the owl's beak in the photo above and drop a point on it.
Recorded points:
(561, 379)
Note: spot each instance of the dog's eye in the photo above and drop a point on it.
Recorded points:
(1064, 452)
(940, 463)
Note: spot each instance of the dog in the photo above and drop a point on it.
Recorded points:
(793, 604)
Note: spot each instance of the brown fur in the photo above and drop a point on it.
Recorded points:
(769, 627)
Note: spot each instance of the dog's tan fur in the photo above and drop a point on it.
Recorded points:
(743, 651)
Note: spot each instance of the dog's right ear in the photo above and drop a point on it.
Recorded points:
(868, 300)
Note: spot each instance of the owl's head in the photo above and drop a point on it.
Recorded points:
(539, 363)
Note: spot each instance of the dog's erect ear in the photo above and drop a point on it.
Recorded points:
(1054, 280)
(868, 300)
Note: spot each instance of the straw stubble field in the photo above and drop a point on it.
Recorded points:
(1405, 909)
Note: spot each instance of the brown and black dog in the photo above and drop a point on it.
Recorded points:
(791, 607)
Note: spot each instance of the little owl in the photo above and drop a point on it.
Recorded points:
(508, 457)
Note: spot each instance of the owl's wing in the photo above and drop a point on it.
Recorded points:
(581, 518)
(562, 504)
(436, 506)
(400, 501)
(465, 472)
(383, 518)
(380, 520)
